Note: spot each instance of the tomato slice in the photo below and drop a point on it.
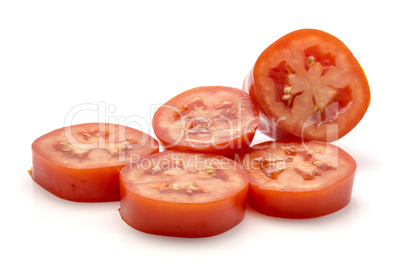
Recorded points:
(212, 119)
(298, 180)
(81, 162)
(308, 84)
(183, 194)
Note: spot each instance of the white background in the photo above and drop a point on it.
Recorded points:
(126, 57)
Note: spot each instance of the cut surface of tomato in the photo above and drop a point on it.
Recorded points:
(183, 194)
(213, 119)
(298, 180)
(308, 84)
(82, 162)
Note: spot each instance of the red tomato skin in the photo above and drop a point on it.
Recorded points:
(274, 129)
(304, 204)
(228, 149)
(297, 204)
(98, 184)
(182, 219)
(300, 205)
(79, 185)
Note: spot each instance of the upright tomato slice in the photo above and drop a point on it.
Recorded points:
(298, 180)
(183, 194)
(213, 119)
(308, 84)
(81, 162)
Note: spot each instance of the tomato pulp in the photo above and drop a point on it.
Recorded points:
(212, 119)
(183, 194)
(308, 84)
(298, 180)
(81, 162)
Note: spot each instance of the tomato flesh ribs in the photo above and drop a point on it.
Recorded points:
(183, 194)
(81, 162)
(291, 179)
(308, 84)
(213, 119)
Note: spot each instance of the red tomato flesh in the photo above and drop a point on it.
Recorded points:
(81, 162)
(183, 194)
(212, 119)
(298, 180)
(308, 84)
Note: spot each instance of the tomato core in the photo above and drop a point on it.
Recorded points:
(311, 86)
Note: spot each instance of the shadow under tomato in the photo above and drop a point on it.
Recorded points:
(366, 158)
(341, 219)
(63, 214)
(130, 237)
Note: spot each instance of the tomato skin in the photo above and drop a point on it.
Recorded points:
(276, 124)
(227, 148)
(79, 185)
(291, 202)
(180, 219)
(98, 183)
(301, 204)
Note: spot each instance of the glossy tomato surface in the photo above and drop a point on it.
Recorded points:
(213, 119)
(298, 180)
(81, 162)
(183, 194)
(308, 84)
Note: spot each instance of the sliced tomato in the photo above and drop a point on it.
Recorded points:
(212, 119)
(81, 162)
(298, 180)
(183, 194)
(308, 84)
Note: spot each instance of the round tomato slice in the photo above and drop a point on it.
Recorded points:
(308, 84)
(213, 119)
(81, 162)
(298, 180)
(183, 194)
